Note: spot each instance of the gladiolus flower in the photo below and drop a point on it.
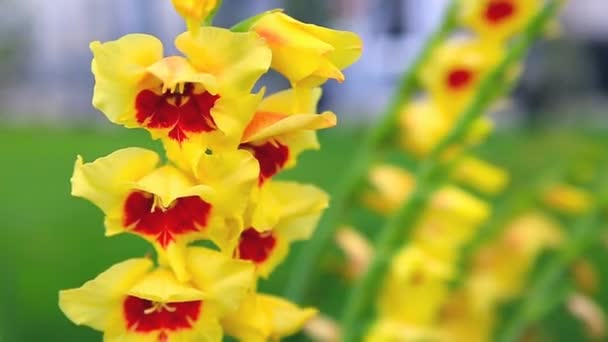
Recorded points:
(283, 213)
(567, 199)
(195, 11)
(415, 288)
(454, 71)
(178, 97)
(135, 302)
(423, 125)
(482, 175)
(307, 54)
(501, 267)
(498, 20)
(266, 318)
(277, 134)
(163, 205)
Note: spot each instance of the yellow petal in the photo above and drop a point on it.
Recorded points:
(482, 175)
(283, 102)
(292, 123)
(301, 51)
(237, 60)
(250, 323)
(169, 183)
(105, 181)
(301, 209)
(225, 281)
(98, 302)
(161, 285)
(233, 174)
(286, 317)
(119, 68)
(174, 71)
(194, 11)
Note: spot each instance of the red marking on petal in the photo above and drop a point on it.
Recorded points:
(255, 246)
(181, 112)
(272, 157)
(459, 78)
(500, 10)
(185, 215)
(145, 316)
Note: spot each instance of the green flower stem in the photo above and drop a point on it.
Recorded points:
(307, 260)
(539, 300)
(429, 176)
(209, 20)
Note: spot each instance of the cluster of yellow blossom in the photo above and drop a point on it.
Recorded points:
(415, 302)
(417, 285)
(453, 73)
(223, 146)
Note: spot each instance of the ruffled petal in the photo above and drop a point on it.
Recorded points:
(105, 181)
(225, 281)
(97, 302)
(236, 59)
(120, 72)
(287, 318)
(168, 183)
(162, 286)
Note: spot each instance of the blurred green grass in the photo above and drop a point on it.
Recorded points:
(52, 241)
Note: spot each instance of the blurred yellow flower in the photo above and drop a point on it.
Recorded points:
(134, 301)
(454, 71)
(498, 20)
(415, 287)
(390, 186)
(423, 125)
(501, 267)
(307, 54)
(195, 11)
(567, 199)
(481, 175)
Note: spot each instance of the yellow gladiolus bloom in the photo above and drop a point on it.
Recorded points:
(568, 199)
(391, 185)
(133, 301)
(482, 175)
(284, 212)
(307, 54)
(179, 97)
(501, 268)
(195, 11)
(498, 20)
(423, 125)
(162, 204)
(266, 318)
(415, 288)
(277, 134)
(454, 71)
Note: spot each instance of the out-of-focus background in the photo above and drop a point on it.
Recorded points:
(51, 241)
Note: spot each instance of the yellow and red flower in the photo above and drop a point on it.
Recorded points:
(454, 71)
(283, 213)
(176, 97)
(498, 20)
(164, 205)
(278, 133)
(134, 301)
